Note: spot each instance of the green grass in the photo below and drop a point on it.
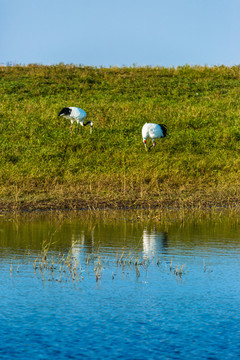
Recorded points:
(43, 166)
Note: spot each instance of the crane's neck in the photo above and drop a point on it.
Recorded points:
(88, 122)
(91, 125)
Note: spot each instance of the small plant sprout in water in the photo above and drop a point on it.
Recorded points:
(159, 261)
(98, 269)
(87, 259)
(11, 268)
(178, 271)
(18, 267)
(137, 271)
(206, 267)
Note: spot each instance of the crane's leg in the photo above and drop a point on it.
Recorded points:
(153, 145)
(81, 123)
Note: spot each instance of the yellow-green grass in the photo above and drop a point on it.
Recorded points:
(43, 166)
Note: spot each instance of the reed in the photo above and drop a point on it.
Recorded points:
(62, 266)
(178, 270)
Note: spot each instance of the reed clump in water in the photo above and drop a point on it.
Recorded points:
(63, 267)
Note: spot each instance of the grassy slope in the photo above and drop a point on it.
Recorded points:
(43, 166)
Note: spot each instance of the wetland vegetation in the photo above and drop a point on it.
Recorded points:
(43, 166)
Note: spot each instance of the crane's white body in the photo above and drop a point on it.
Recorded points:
(152, 131)
(75, 114)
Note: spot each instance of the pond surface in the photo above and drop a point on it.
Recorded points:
(75, 288)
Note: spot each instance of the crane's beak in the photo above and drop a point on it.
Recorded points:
(144, 141)
(91, 127)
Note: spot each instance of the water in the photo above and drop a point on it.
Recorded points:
(117, 289)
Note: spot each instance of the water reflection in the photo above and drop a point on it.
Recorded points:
(94, 235)
(154, 242)
(82, 242)
(149, 243)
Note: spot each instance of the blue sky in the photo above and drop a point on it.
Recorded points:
(120, 33)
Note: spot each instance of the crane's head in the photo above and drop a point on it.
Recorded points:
(145, 143)
(65, 112)
(91, 127)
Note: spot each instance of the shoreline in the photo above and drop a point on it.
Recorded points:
(98, 206)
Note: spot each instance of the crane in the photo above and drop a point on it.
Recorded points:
(153, 131)
(75, 114)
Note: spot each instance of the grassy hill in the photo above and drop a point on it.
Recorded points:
(43, 166)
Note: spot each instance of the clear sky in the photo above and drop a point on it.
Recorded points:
(120, 33)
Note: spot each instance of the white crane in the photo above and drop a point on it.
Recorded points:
(153, 131)
(75, 114)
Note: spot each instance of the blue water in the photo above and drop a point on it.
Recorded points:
(152, 313)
